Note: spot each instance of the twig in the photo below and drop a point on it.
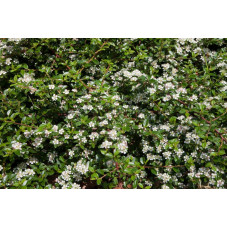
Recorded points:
(19, 124)
(104, 75)
(220, 145)
(87, 63)
(209, 122)
(108, 173)
(219, 116)
(92, 57)
(153, 167)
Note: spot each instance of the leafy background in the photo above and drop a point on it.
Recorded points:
(121, 113)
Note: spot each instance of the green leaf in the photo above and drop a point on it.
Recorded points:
(99, 181)
(134, 184)
(140, 185)
(91, 169)
(154, 171)
(109, 155)
(94, 176)
(176, 170)
(103, 152)
(115, 180)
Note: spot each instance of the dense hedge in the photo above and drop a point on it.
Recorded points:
(113, 113)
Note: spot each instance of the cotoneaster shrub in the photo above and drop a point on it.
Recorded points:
(113, 113)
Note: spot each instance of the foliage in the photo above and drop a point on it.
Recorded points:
(113, 113)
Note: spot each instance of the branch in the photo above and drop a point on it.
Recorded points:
(153, 167)
(209, 122)
(221, 144)
(92, 57)
(87, 63)
(19, 124)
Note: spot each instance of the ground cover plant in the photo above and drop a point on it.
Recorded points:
(113, 113)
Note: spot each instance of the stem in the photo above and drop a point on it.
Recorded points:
(19, 124)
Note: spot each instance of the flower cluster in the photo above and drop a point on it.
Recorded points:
(116, 113)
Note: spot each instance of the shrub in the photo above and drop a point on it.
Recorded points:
(113, 113)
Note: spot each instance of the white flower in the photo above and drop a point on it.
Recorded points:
(166, 66)
(75, 186)
(166, 98)
(102, 123)
(113, 134)
(220, 183)
(55, 142)
(169, 86)
(160, 80)
(55, 128)
(151, 90)
(1, 168)
(109, 116)
(106, 144)
(64, 186)
(51, 86)
(165, 186)
(165, 127)
(16, 145)
(26, 79)
(71, 153)
(165, 177)
(134, 79)
(19, 175)
(79, 100)
(84, 107)
(29, 172)
(123, 147)
(32, 90)
(55, 97)
(84, 140)
(160, 87)
(47, 133)
(66, 91)
(182, 90)
(70, 116)
(8, 61)
(75, 137)
(27, 134)
(167, 154)
(37, 141)
(51, 157)
(193, 97)
(175, 96)
(93, 136)
(61, 131)
(148, 183)
(65, 175)
(141, 115)
(140, 126)
(32, 160)
(91, 124)
(67, 136)
(179, 50)
(81, 168)
(90, 107)
(2, 72)
(116, 97)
